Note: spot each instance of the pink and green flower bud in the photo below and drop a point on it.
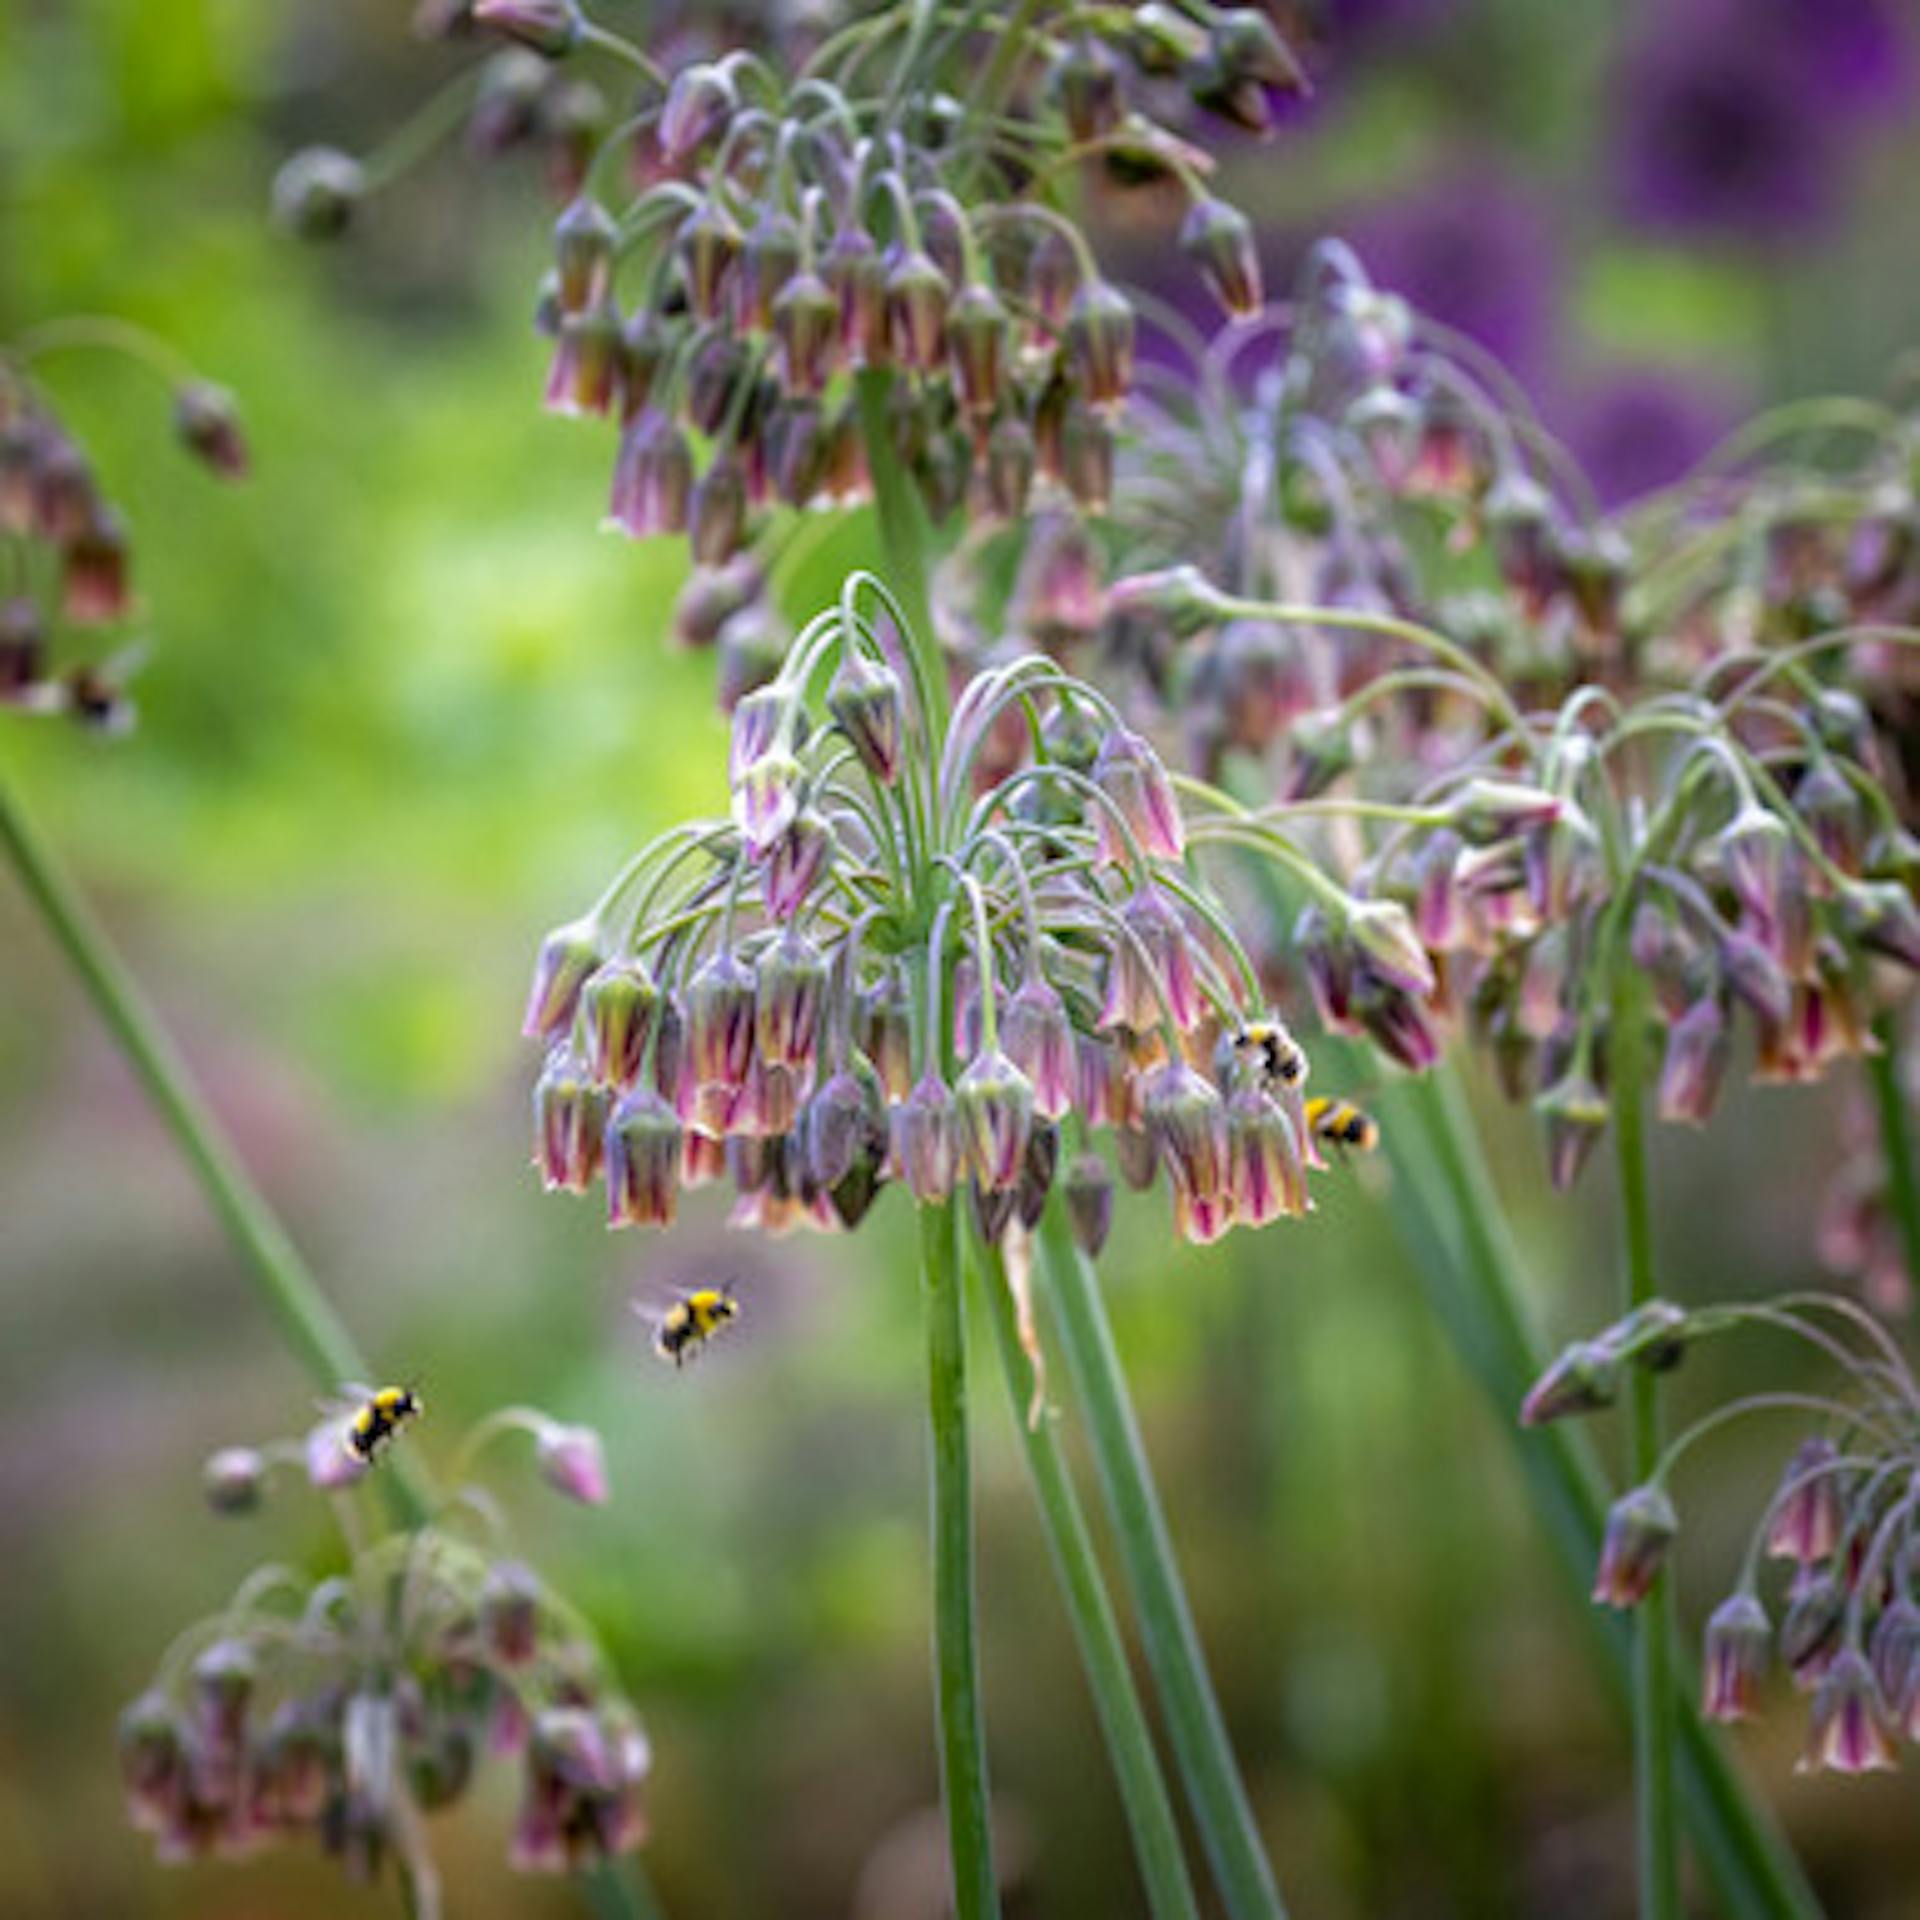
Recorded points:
(1088, 1190)
(917, 297)
(854, 270)
(618, 1005)
(1893, 1649)
(1698, 1047)
(1038, 1168)
(584, 375)
(224, 1679)
(1753, 848)
(1755, 976)
(584, 238)
(1576, 1115)
(208, 423)
(1389, 946)
(710, 244)
(1187, 1124)
(1847, 1729)
(1134, 779)
(643, 1155)
(1641, 1526)
(234, 1479)
(883, 1030)
(712, 596)
(510, 1613)
(1320, 749)
(926, 1139)
(717, 511)
(94, 589)
(316, 193)
(573, 1462)
(1038, 1037)
(1739, 1645)
(1808, 1514)
(1267, 1171)
(791, 985)
(1099, 339)
(1485, 811)
(767, 794)
(646, 349)
(1007, 472)
(806, 323)
(153, 1761)
(798, 861)
(768, 263)
(992, 1210)
(1583, 1379)
(1881, 917)
(699, 103)
(1824, 798)
(720, 1023)
(1087, 458)
(993, 1116)
(652, 478)
(840, 1126)
(1086, 82)
(550, 27)
(865, 701)
(978, 331)
(569, 1123)
(568, 957)
(1218, 239)
(1057, 598)
(1810, 1633)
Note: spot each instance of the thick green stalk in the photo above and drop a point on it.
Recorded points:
(1103, 1654)
(1897, 1146)
(904, 536)
(1195, 1725)
(1453, 1225)
(1654, 1721)
(956, 1654)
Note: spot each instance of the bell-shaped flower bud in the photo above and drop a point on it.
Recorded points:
(993, 1115)
(1088, 1189)
(1218, 239)
(917, 297)
(1847, 1728)
(1810, 1633)
(584, 239)
(224, 1679)
(769, 261)
(1698, 1046)
(1739, 1644)
(1007, 473)
(1038, 1167)
(1383, 931)
(717, 510)
(1808, 1511)
(1188, 1127)
(618, 1005)
(1641, 1526)
(652, 478)
(1135, 781)
(234, 1479)
(584, 375)
(1038, 1037)
(926, 1141)
(853, 269)
(1085, 81)
(643, 1152)
(865, 701)
(550, 27)
(1267, 1170)
(796, 864)
(1755, 976)
(1099, 338)
(510, 1613)
(791, 984)
(569, 1123)
(1893, 1648)
(1825, 799)
(1753, 847)
(699, 103)
(316, 192)
(1582, 1379)
(978, 331)
(1576, 1114)
(94, 589)
(573, 1462)
(766, 799)
(1880, 915)
(720, 1022)
(806, 323)
(1484, 811)
(208, 423)
(154, 1764)
(710, 244)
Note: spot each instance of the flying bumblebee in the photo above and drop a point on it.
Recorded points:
(1272, 1051)
(1339, 1123)
(374, 1416)
(690, 1321)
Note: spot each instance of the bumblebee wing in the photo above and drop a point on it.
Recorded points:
(351, 1396)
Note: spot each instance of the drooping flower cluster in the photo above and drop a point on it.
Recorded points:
(1845, 1518)
(349, 1708)
(69, 578)
(789, 260)
(947, 953)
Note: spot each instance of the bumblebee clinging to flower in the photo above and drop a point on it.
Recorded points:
(1272, 1052)
(378, 1414)
(690, 1321)
(1341, 1124)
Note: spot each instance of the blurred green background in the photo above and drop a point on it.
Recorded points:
(405, 708)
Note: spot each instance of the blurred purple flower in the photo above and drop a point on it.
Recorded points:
(1637, 427)
(1852, 55)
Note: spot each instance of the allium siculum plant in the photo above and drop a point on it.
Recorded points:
(955, 956)
(349, 1708)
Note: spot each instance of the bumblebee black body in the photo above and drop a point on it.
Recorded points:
(1341, 1124)
(691, 1321)
(1274, 1052)
(378, 1418)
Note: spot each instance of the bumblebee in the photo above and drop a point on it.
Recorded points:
(1339, 1123)
(1272, 1052)
(378, 1414)
(691, 1321)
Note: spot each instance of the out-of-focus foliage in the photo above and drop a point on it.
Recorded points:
(402, 710)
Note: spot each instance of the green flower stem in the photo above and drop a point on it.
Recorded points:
(956, 1657)
(1452, 1223)
(1195, 1725)
(904, 540)
(1897, 1145)
(1103, 1654)
(1653, 1689)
